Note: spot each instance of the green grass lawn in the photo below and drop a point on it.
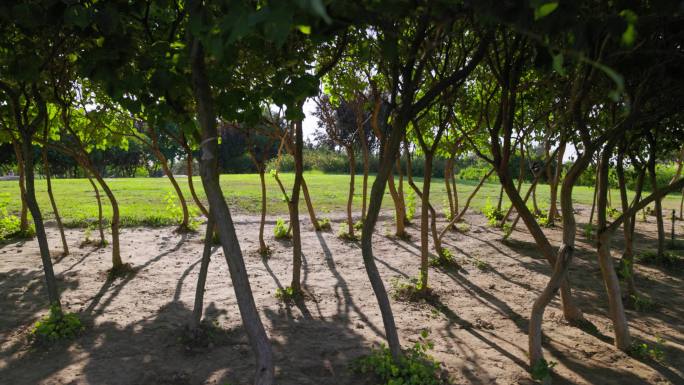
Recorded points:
(141, 200)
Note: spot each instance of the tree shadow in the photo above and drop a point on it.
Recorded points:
(109, 282)
(343, 298)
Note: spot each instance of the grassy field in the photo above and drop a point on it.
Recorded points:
(142, 200)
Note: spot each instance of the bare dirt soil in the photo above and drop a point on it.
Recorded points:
(478, 324)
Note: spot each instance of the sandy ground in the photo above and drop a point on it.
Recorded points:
(479, 328)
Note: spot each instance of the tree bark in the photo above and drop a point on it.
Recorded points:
(262, 244)
(219, 209)
(350, 199)
(604, 237)
(53, 203)
(553, 187)
(294, 210)
(26, 132)
(448, 174)
(387, 160)
(399, 208)
(198, 307)
(366, 169)
(658, 206)
(184, 225)
(627, 261)
(191, 185)
(99, 211)
(23, 221)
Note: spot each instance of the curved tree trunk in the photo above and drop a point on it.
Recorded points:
(117, 263)
(366, 169)
(387, 161)
(448, 174)
(23, 221)
(593, 202)
(350, 199)
(309, 203)
(399, 208)
(184, 225)
(610, 278)
(219, 210)
(553, 187)
(262, 244)
(658, 208)
(58, 219)
(191, 185)
(627, 261)
(99, 211)
(32, 203)
(198, 307)
(424, 224)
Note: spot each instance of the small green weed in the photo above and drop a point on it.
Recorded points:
(56, 326)
(542, 370)
(462, 227)
(667, 259)
(414, 367)
(288, 294)
(324, 224)
(445, 260)
(358, 225)
(344, 234)
(481, 265)
(280, 229)
(645, 352)
(588, 231)
(493, 214)
(613, 212)
(642, 304)
(507, 229)
(411, 291)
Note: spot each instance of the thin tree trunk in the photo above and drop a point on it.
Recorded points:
(309, 203)
(23, 222)
(294, 210)
(198, 307)
(32, 203)
(627, 261)
(117, 263)
(424, 224)
(448, 174)
(58, 219)
(184, 225)
(191, 185)
(553, 188)
(455, 191)
(387, 161)
(399, 209)
(610, 279)
(99, 211)
(658, 208)
(593, 202)
(219, 210)
(498, 204)
(350, 199)
(262, 244)
(366, 169)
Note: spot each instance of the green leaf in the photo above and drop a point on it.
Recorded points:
(305, 29)
(544, 10)
(629, 35)
(558, 63)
